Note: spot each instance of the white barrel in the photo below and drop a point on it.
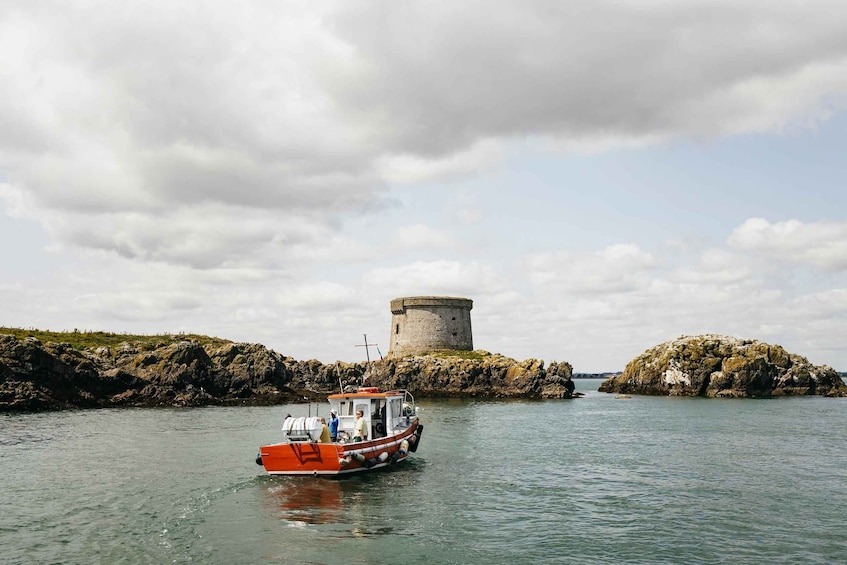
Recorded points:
(302, 429)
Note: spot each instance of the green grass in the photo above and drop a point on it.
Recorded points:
(92, 340)
(476, 355)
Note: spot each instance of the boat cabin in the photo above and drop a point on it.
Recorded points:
(383, 412)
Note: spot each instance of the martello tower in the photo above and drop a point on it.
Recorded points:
(426, 323)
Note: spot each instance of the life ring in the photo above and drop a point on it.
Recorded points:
(380, 429)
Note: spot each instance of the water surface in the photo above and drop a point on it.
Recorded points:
(593, 480)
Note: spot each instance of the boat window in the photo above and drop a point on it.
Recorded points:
(364, 408)
(394, 408)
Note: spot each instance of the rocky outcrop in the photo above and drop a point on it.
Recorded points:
(491, 375)
(722, 366)
(46, 376)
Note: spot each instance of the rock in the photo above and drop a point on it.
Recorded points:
(484, 375)
(722, 366)
(48, 376)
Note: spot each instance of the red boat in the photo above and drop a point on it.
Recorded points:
(389, 432)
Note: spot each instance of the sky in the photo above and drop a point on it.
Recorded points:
(597, 176)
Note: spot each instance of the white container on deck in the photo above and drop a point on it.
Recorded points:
(302, 429)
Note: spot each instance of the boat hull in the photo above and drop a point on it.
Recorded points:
(312, 458)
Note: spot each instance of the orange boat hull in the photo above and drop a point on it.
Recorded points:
(312, 458)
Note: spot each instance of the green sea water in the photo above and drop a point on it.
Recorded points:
(592, 480)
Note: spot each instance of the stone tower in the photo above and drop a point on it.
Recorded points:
(426, 323)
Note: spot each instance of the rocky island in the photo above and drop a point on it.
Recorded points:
(46, 371)
(722, 366)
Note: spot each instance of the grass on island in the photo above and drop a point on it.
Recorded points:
(92, 340)
(475, 355)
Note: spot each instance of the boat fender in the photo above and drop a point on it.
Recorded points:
(259, 459)
(382, 458)
(358, 457)
(404, 447)
(415, 438)
(344, 461)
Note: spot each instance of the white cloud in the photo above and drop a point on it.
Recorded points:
(322, 295)
(589, 71)
(421, 236)
(719, 267)
(411, 168)
(198, 167)
(617, 268)
(435, 278)
(312, 109)
(821, 244)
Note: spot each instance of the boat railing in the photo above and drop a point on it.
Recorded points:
(409, 408)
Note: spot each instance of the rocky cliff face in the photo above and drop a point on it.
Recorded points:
(721, 366)
(45, 376)
(491, 376)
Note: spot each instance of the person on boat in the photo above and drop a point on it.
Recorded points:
(325, 437)
(333, 425)
(361, 429)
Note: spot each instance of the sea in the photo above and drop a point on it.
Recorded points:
(598, 479)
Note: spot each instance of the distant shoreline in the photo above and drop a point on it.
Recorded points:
(595, 375)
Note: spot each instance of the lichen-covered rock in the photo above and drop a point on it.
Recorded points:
(48, 376)
(722, 366)
(484, 375)
(36, 376)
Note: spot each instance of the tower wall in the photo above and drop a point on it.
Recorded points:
(426, 323)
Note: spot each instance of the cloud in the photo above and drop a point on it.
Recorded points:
(820, 244)
(232, 169)
(617, 268)
(407, 168)
(314, 110)
(134, 126)
(421, 236)
(322, 295)
(719, 267)
(439, 79)
(435, 278)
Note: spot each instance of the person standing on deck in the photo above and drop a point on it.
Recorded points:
(324, 432)
(361, 429)
(333, 425)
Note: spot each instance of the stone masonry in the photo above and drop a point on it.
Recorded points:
(420, 324)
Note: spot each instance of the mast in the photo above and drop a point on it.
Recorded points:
(367, 347)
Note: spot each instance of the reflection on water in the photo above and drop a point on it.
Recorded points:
(311, 500)
(357, 504)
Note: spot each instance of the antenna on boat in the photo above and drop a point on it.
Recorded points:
(367, 347)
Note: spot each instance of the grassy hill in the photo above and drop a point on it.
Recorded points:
(92, 340)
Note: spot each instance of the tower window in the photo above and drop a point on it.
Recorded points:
(397, 329)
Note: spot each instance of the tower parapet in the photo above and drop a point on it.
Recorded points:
(426, 323)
